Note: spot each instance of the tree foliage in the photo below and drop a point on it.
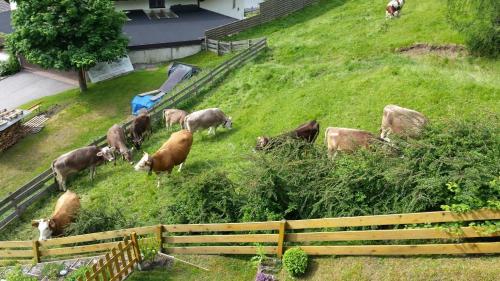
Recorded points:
(67, 35)
(479, 22)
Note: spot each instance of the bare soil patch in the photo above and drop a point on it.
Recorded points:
(420, 49)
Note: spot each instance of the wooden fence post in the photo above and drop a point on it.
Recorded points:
(36, 251)
(159, 236)
(281, 238)
(218, 47)
(137, 250)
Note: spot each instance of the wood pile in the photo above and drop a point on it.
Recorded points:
(10, 136)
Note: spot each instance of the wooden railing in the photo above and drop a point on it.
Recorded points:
(328, 236)
(225, 47)
(16, 203)
(117, 264)
(269, 10)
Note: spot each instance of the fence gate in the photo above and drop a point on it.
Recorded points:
(117, 264)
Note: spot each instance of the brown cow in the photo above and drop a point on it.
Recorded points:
(345, 139)
(140, 128)
(78, 160)
(174, 116)
(307, 132)
(173, 152)
(67, 207)
(401, 121)
(116, 140)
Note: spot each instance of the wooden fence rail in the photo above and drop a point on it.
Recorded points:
(225, 47)
(269, 10)
(332, 234)
(16, 203)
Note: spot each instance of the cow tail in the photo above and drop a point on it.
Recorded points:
(53, 166)
(326, 137)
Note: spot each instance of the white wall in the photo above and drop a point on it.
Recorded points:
(144, 4)
(163, 54)
(225, 7)
(13, 5)
(252, 3)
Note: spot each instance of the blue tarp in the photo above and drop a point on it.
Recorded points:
(139, 103)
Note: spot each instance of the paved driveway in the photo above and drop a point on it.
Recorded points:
(26, 86)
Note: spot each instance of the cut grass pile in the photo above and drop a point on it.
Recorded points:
(333, 62)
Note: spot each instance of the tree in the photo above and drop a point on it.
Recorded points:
(68, 34)
(479, 22)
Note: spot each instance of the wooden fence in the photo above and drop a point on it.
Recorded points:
(328, 236)
(269, 10)
(117, 265)
(16, 203)
(226, 47)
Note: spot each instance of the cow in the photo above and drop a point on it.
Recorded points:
(173, 152)
(79, 160)
(116, 140)
(401, 121)
(307, 132)
(140, 128)
(345, 139)
(174, 116)
(393, 8)
(67, 208)
(207, 118)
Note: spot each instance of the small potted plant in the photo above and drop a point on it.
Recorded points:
(266, 266)
(149, 252)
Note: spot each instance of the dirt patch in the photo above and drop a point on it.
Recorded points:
(420, 49)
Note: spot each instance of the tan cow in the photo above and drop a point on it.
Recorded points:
(171, 153)
(67, 207)
(174, 116)
(345, 139)
(401, 121)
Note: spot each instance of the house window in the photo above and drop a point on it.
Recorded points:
(234, 4)
(155, 4)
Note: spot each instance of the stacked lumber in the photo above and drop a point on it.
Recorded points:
(10, 136)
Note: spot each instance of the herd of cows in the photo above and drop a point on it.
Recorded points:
(174, 152)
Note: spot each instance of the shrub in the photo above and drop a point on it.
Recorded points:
(9, 67)
(261, 276)
(17, 275)
(479, 22)
(80, 272)
(149, 248)
(51, 270)
(206, 198)
(295, 261)
(97, 219)
(301, 183)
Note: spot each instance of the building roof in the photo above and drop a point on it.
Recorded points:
(4, 6)
(188, 28)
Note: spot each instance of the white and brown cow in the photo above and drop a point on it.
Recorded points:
(210, 118)
(348, 140)
(66, 209)
(116, 140)
(401, 121)
(393, 8)
(79, 160)
(173, 152)
(174, 116)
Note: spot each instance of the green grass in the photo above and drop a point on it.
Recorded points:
(334, 62)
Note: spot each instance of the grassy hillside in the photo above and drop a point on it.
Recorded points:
(334, 62)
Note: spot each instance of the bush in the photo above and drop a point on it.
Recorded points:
(301, 183)
(295, 261)
(9, 67)
(149, 248)
(261, 276)
(479, 22)
(17, 275)
(51, 270)
(97, 219)
(80, 272)
(206, 198)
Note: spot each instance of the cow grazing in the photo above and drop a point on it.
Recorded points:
(207, 118)
(349, 140)
(67, 207)
(393, 8)
(140, 128)
(174, 116)
(79, 160)
(307, 132)
(401, 121)
(173, 152)
(116, 140)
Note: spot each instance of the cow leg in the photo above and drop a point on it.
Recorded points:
(210, 130)
(180, 167)
(92, 173)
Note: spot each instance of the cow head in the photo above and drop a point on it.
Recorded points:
(46, 227)
(128, 155)
(145, 163)
(228, 123)
(137, 141)
(261, 143)
(106, 153)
